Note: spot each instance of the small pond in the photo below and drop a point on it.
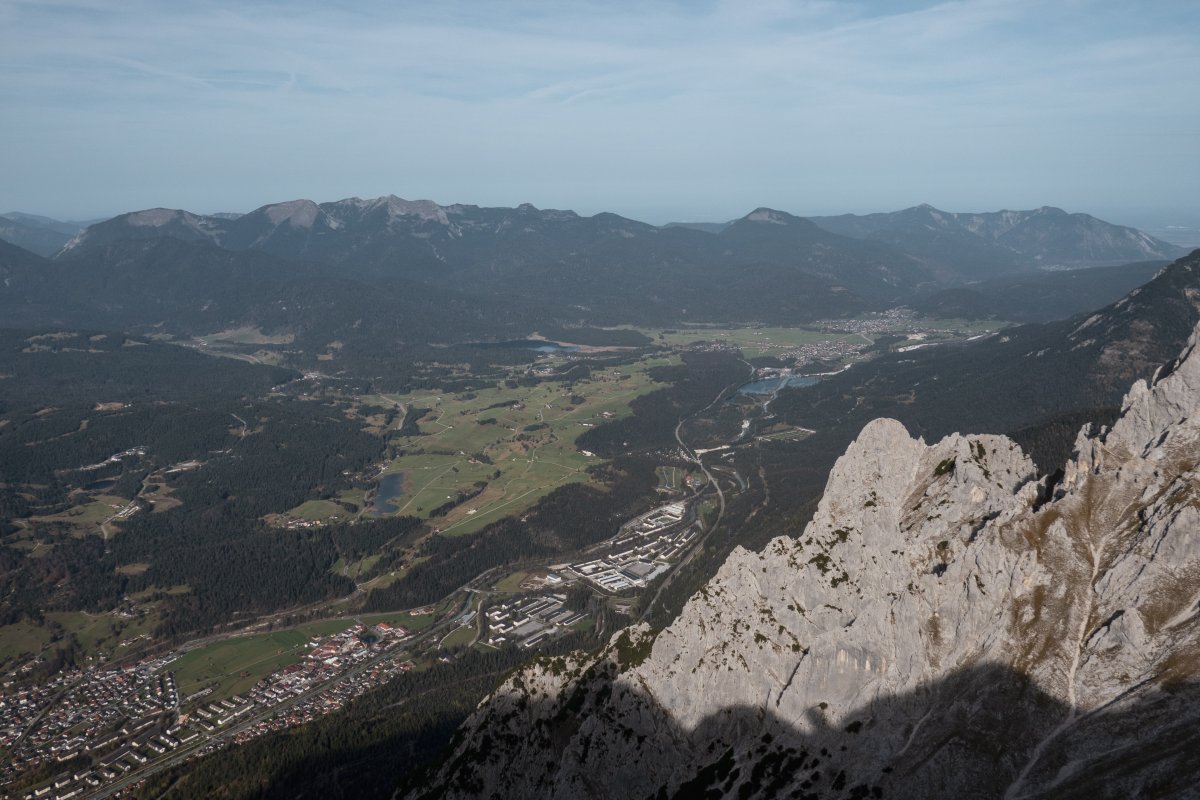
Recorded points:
(390, 489)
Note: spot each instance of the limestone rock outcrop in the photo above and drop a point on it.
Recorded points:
(945, 626)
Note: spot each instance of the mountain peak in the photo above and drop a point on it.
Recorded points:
(154, 217)
(926, 212)
(298, 213)
(1153, 407)
(770, 215)
(399, 207)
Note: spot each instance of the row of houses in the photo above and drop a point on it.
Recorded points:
(77, 713)
(149, 703)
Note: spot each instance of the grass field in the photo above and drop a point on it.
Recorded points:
(762, 341)
(94, 632)
(22, 640)
(235, 665)
(31, 547)
(328, 627)
(318, 510)
(325, 627)
(962, 326)
(325, 510)
(754, 341)
(460, 636)
(354, 497)
(353, 570)
(670, 478)
(517, 451)
(511, 583)
(86, 518)
(247, 335)
(413, 622)
(494, 452)
(784, 433)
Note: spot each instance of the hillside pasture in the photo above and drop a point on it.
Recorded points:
(487, 454)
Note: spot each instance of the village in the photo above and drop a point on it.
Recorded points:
(102, 724)
(81, 712)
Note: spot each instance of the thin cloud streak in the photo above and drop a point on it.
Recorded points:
(811, 106)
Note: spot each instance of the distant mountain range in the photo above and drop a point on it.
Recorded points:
(390, 237)
(37, 239)
(1012, 240)
(967, 246)
(406, 271)
(600, 269)
(41, 235)
(1000, 241)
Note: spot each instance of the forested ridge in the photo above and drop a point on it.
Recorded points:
(208, 440)
(693, 385)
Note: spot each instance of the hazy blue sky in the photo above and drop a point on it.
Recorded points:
(686, 110)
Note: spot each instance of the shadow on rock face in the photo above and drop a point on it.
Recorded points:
(984, 732)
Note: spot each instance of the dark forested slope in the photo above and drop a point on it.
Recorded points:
(1019, 375)
(1039, 296)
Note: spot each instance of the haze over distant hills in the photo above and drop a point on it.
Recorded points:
(42, 235)
(416, 271)
(1046, 236)
(997, 241)
(990, 241)
(1183, 235)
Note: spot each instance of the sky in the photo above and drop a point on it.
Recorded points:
(655, 110)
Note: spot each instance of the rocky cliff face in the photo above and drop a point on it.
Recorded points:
(945, 626)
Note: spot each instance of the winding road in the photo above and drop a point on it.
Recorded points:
(695, 458)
